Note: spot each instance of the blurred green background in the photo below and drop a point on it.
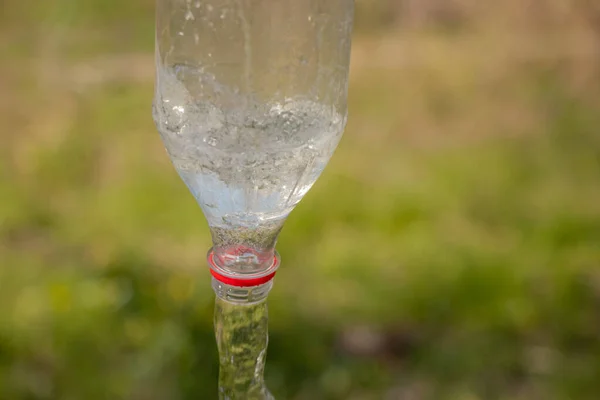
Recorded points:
(451, 249)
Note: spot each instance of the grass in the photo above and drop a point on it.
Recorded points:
(457, 225)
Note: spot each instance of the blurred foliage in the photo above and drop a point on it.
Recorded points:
(450, 250)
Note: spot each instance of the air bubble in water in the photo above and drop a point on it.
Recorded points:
(211, 141)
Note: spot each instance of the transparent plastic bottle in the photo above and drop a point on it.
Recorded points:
(250, 103)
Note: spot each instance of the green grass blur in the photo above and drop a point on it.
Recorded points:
(451, 249)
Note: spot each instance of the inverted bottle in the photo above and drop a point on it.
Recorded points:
(250, 103)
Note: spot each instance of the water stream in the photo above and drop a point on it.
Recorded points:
(241, 329)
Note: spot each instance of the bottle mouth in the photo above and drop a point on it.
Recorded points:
(237, 266)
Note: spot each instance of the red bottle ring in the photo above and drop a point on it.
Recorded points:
(241, 282)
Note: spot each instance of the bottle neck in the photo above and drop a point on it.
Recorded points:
(238, 285)
(241, 330)
(239, 249)
(241, 295)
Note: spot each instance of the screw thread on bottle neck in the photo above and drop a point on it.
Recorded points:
(241, 295)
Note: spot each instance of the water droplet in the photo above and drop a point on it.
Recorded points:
(189, 16)
(210, 54)
(223, 14)
(197, 4)
(209, 8)
(180, 33)
(196, 38)
(310, 17)
(211, 141)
